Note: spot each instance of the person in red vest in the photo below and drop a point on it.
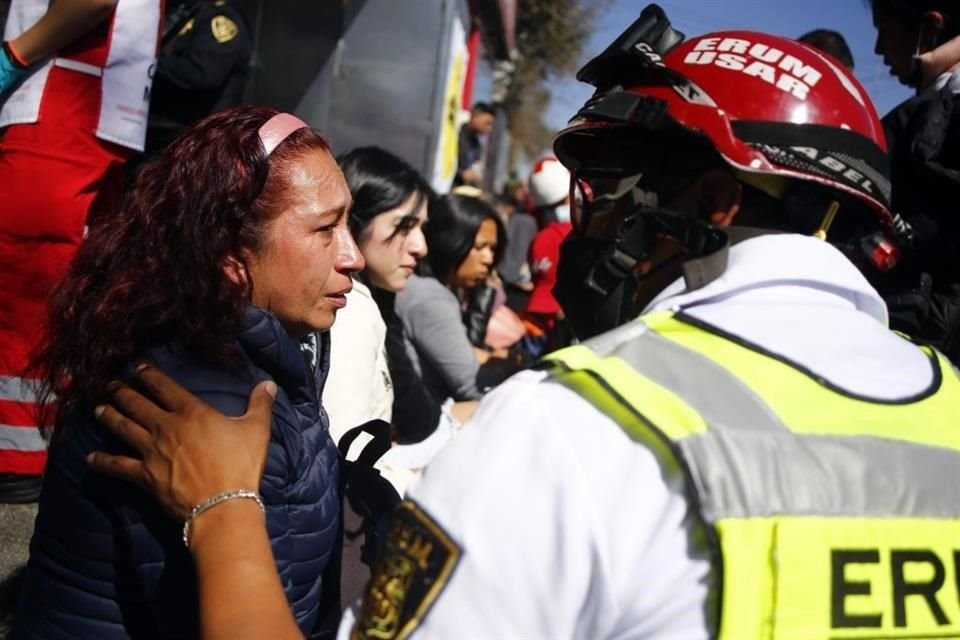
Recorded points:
(75, 79)
(550, 192)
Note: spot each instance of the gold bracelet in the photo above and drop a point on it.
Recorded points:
(209, 503)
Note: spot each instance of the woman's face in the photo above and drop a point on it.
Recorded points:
(475, 268)
(302, 271)
(393, 242)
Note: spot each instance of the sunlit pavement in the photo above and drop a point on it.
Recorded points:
(16, 526)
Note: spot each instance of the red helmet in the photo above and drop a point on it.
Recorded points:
(765, 104)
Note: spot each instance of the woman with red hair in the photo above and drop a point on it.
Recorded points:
(230, 254)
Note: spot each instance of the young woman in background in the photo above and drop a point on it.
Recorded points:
(467, 240)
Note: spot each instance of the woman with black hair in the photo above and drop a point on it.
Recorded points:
(467, 240)
(372, 376)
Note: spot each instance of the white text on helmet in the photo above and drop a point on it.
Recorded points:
(649, 52)
(836, 166)
(772, 65)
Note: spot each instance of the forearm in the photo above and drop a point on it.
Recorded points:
(240, 591)
(64, 22)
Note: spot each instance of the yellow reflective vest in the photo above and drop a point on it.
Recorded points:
(829, 515)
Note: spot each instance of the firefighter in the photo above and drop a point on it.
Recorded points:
(756, 455)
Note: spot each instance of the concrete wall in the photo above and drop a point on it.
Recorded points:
(364, 72)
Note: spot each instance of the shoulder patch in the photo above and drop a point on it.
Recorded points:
(418, 558)
(224, 29)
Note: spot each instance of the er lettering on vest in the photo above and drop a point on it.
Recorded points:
(838, 529)
(914, 579)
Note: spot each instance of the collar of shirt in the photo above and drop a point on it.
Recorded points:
(799, 297)
(778, 260)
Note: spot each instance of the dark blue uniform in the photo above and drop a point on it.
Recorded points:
(202, 66)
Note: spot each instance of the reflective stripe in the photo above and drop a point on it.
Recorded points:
(749, 463)
(82, 67)
(807, 405)
(794, 477)
(724, 402)
(15, 389)
(617, 380)
(21, 439)
(756, 466)
(750, 474)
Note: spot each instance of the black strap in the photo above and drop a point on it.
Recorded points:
(625, 107)
(369, 494)
(374, 449)
(642, 44)
(788, 134)
(699, 272)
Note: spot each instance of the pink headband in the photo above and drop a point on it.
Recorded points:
(276, 129)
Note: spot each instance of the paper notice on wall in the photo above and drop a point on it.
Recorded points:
(445, 162)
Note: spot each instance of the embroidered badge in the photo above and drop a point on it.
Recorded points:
(418, 558)
(224, 29)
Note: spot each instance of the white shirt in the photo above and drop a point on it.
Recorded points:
(358, 387)
(569, 529)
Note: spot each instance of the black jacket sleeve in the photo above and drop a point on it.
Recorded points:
(416, 412)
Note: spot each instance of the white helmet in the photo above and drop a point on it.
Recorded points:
(549, 182)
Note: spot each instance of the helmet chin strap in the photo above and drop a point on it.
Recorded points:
(597, 282)
(613, 280)
(637, 235)
(701, 271)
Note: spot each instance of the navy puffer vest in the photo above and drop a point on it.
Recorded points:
(106, 562)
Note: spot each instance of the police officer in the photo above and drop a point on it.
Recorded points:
(202, 67)
(754, 456)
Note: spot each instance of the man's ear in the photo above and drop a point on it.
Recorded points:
(720, 197)
(931, 26)
(236, 271)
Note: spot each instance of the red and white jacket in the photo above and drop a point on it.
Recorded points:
(48, 182)
(123, 57)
